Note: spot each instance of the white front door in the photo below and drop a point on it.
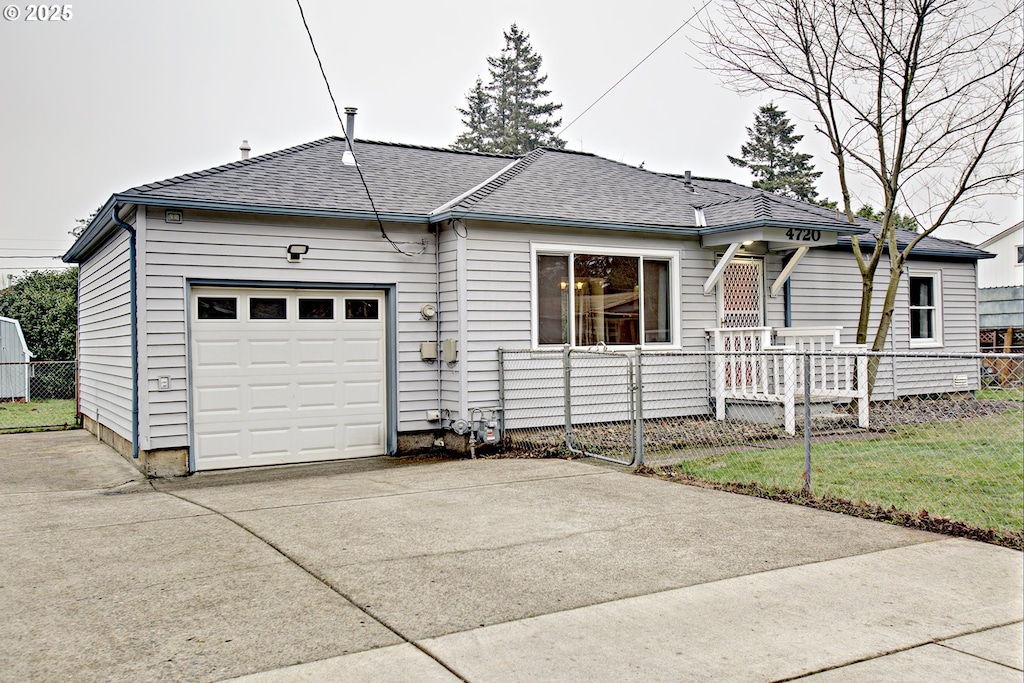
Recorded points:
(741, 293)
(283, 376)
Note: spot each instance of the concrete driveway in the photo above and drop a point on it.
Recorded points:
(486, 570)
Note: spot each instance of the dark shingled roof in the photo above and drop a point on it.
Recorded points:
(546, 186)
(403, 179)
(768, 208)
(927, 247)
(572, 187)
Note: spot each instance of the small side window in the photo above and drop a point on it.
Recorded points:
(268, 309)
(217, 308)
(316, 309)
(361, 309)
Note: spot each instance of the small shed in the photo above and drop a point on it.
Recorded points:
(15, 357)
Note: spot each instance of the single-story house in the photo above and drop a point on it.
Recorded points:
(267, 311)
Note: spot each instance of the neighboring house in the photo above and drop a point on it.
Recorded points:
(1007, 268)
(15, 371)
(276, 320)
(1001, 301)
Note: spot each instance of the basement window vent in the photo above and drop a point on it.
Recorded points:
(960, 382)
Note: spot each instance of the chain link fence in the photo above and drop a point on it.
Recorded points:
(923, 438)
(38, 395)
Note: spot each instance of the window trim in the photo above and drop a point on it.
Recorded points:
(929, 342)
(570, 250)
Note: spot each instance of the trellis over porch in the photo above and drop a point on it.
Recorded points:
(787, 366)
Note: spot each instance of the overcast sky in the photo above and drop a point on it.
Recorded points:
(126, 93)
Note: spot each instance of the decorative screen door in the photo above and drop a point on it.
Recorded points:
(741, 294)
(741, 304)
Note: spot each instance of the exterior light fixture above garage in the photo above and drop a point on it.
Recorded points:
(296, 252)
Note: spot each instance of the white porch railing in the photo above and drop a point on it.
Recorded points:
(749, 367)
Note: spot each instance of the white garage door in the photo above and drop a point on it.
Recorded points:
(283, 376)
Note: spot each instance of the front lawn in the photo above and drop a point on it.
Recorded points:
(52, 413)
(970, 470)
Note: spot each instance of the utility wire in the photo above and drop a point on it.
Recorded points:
(637, 66)
(351, 146)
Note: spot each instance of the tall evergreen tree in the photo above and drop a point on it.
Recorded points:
(770, 155)
(476, 119)
(510, 114)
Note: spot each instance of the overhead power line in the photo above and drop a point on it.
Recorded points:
(351, 144)
(636, 66)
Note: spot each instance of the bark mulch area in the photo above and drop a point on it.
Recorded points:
(922, 410)
(919, 520)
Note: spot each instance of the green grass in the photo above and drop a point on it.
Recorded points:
(34, 414)
(1000, 395)
(969, 470)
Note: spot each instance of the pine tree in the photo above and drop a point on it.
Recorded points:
(770, 155)
(510, 115)
(476, 118)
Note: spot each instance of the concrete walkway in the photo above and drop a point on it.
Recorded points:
(486, 570)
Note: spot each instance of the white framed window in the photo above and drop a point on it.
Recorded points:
(925, 308)
(585, 296)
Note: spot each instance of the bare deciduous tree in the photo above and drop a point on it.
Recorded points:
(920, 97)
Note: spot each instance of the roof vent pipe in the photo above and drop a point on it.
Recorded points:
(688, 181)
(244, 148)
(348, 158)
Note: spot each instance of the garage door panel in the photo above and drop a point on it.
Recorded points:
(264, 398)
(317, 396)
(318, 440)
(220, 445)
(318, 352)
(363, 436)
(270, 353)
(286, 390)
(218, 354)
(365, 394)
(218, 401)
(270, 442)
(362, 352)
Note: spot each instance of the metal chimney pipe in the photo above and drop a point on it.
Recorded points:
(244, 148)
(349, 157)
(350, 125)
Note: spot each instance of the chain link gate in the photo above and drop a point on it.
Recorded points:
(583, 401)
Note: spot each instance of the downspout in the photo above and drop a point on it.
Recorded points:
(437, 320)
(787, 294)
(132, 303)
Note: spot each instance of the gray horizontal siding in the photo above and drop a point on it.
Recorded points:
(499, 315)
(231, 247)
(104, 336)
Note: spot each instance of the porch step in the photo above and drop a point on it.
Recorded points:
(770, 412)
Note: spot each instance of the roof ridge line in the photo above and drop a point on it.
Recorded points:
(475, 194)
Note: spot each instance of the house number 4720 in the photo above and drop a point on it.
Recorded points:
(803, 235)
